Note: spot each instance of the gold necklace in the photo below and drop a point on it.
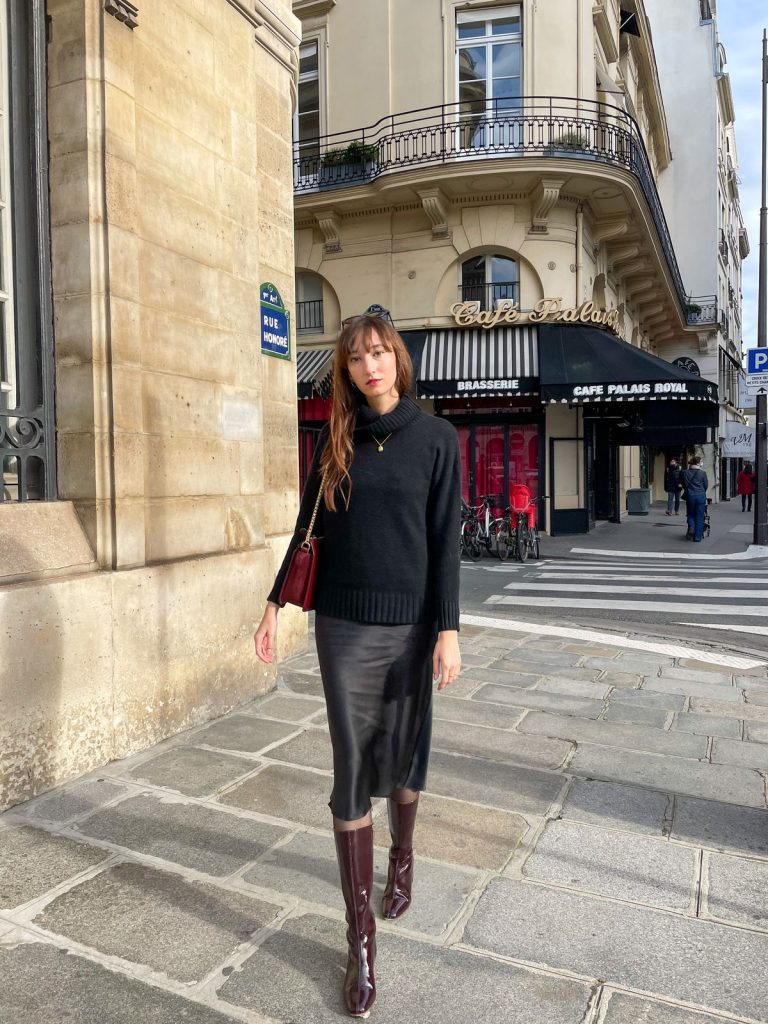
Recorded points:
(380, 444)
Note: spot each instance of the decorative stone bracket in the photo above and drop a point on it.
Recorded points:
(124, 11)
(329, 223)
(436, 208)
(707, 341)
(543, 199)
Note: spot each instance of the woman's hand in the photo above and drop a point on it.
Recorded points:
(264, 637)
(446, 658)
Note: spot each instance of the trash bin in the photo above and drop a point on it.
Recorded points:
(638, 501)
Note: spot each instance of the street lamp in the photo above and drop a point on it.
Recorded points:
(761, 442)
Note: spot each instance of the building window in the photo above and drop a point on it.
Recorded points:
(309, 303)
(306, 119)
(489, 65)
(27, 462)
(490, 279)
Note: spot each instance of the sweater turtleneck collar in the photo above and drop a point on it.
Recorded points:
(401, 415)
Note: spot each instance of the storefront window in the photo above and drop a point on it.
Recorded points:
(489, 279)
(489, 56)
(493, 457)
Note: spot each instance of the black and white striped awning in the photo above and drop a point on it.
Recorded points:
(501, 361)
(314, 368)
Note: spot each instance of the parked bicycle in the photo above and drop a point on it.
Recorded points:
(479, 527)
(518, 532)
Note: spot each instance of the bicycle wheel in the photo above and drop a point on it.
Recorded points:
(536, 545)
(522, 540)
(505, 542)
(471, 543)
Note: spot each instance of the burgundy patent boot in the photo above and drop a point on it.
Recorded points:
(397, 895)
(355, 852)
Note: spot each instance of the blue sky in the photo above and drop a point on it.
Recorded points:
(740, 28)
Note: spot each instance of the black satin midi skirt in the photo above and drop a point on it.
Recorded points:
(377, 681)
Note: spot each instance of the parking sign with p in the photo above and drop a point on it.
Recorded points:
(757, 360)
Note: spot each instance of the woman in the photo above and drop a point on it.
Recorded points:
(696, 485)
(672, 486)
(386, 612)
(745, 486)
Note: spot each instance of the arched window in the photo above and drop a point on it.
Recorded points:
(309, 303)
(488, 279)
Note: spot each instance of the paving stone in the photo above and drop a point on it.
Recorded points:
(299, 682)
(477, 658)
(591, 650)
(649, 699)
(756, 697)
(615, 864)
(520, 680)
(614, 734)
(545, 644)
(291, 709)
(625, 1009)
(70, 801)
(181, 928)
(730, 709)
(498, 745)
(465, 685)
(583, 675)
(721, 826)
(693, 688)
(606, 803)
(307, 867)
(463, 833)
(708, 674)
(738, 890)
(33, 861)
(306, 662)
(748, 755)
(290, 793)
(721, 782)
(556, 702)
(311, 749)
(573, 687)
(45, 985)
(198, 837)
(295, 976)
(617, 664)
(637, 947)
(242, 732)
(645, 661)
(633, 714)
(707, 666)
(622, 680)
(455, 709)
(706, 725)
(495, 785)
(192, 771)
(756, 732)
(542, 660)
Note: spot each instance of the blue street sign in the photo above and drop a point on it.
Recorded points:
(275, 323)
(757, 360)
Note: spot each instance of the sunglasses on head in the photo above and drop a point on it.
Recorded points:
(375, 310)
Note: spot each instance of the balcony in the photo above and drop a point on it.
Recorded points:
(701, 309)
(557, 128)
(488, 296)
(309, 317)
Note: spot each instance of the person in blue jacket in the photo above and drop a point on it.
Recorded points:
(695, 485)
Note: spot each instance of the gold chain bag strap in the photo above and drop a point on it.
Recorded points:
(299, 584)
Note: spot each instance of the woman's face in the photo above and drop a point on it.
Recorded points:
(372, 368)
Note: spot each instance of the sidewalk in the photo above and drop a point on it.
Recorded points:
(593, 849)
(658, 533)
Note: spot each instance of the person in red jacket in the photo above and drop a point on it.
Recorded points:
(745, 486)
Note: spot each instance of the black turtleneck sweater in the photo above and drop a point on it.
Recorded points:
(393, 555)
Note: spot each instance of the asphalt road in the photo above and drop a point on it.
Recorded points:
(713, 602)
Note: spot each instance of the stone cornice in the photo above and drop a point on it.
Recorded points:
(123, 11)
(312, 8)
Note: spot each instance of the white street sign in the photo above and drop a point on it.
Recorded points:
(757, 380)
(739, 441)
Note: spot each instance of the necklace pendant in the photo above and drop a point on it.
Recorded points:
(381, 448)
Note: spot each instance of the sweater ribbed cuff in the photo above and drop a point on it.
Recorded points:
(448, 615)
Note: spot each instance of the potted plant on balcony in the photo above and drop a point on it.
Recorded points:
(348, 165)
(571, 144)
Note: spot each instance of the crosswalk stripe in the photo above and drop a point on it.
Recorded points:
(580, 567)
(582, 588)
(674, 608)
(651, 579)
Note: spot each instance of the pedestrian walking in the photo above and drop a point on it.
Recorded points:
(673, 486)
(695, 485)
(387, 480)
(745, 486)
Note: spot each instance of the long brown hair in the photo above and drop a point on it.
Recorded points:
(337, 456)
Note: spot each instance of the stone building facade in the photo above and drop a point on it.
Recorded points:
(148, 444)
(502, 153)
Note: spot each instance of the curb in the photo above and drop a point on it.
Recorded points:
(753, 551)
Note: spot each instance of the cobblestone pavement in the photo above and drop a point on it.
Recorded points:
(593, 849)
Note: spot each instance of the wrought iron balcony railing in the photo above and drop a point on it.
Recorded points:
(701, 309)
(530, 127)
(309, 316)
(488, 295)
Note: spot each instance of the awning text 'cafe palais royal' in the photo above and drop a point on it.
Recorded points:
(553, 398)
